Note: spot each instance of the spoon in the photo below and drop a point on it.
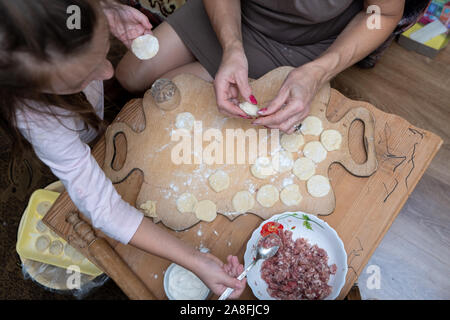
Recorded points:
(261, 253)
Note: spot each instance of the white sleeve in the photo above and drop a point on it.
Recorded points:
(61, 149)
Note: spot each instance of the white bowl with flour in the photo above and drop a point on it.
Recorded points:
(182, 284)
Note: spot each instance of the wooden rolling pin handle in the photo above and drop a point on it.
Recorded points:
(109, 260)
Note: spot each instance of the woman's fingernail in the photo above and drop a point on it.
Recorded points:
(262, 111)
(253, 100)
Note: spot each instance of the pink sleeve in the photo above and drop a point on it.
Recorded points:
(91, 191)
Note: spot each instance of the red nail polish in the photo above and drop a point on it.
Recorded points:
(253, 99)
(262, 110)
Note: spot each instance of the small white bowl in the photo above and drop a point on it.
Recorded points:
(166, 284)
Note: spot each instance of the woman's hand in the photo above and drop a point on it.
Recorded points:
(126, 23)
(292, 103)
(232, 79)
(218, 276)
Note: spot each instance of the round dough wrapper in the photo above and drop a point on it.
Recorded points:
(318, 186)
(145, 47)
(56, 248)
(243, 201)
(331, 139)
(282, 161)
(304, 168)
(41, 227)
(292, 142)
(219, 181)
(186, 203)
(206, 210)
(312, 126)
(262, 168)
(249, 108)
(43, 207)
(73, 253)
(290, 195)
(315, 151)
(185, 120)
(268, 195)
(42, 243)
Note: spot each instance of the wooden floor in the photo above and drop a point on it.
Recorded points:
(414, 256)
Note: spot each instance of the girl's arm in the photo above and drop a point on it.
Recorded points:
(353, 44)
(232, 76)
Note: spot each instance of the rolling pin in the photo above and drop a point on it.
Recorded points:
(109, 260)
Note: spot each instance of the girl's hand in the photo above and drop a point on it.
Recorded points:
(232, 79)
(292, 103)
(126, 23)
(218, 276)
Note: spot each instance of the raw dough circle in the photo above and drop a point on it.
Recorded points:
(186, 203)
(304, 168)
(145, 47)
(290, 195)
(73, 253)
(56, 248)
(282, 161)
(249, 108)
(267, 195)
(41, 227)
(42, 243)
(219, 181)
(206, 210)
(262, 168)
(315, 151)
(331, 139)
(185, 120)
(311, 126)
(318, 186)
(243, 201)
(43, 207)
(292, 142)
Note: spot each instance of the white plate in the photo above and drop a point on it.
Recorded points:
(319, 232)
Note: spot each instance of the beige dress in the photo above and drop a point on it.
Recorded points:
(275, 32)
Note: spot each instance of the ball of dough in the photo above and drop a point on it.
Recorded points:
(43, 207)
(186, 203)
(290, 195)
(282, 161)
(42, 243)
(318, 186)
(219, 181)
(292, 142)
(243, 201)
(331, 139)
(149, 208)
(304, 168)
(315, 151)
(185, 120)
(145, 47)
(262, 168)
(312, 126)
(206, 210)
(56, 248)
(41, 227)
(267, 196)
(73, 253)
(249, 108)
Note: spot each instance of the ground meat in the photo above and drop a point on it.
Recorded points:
(298, 271)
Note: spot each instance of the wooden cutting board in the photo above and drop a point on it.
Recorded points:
(365, 207)
(151, 150)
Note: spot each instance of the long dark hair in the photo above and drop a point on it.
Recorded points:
(29, 31)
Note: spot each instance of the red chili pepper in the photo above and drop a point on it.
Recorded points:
(271, 227)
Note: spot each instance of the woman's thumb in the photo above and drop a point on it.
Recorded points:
(245, 89)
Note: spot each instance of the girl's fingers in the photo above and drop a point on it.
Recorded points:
(276, 104)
